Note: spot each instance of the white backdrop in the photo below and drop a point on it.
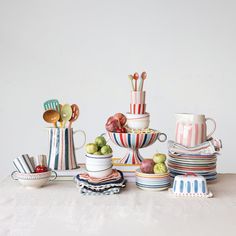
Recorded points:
(82, 51)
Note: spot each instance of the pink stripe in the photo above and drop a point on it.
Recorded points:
(189, 135)
(62, 148)
(202, 137)
(181, 134)
(177, 132)
(196, 134)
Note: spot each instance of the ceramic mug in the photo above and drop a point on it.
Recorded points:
(137, 108)
(61, 148)
(191, 129)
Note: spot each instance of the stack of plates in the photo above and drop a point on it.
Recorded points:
(204, 165)
(154, 182)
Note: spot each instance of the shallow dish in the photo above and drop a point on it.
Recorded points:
(34, 180)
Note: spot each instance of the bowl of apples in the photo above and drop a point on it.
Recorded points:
(41, 176)
(153, 174)
(122, 135)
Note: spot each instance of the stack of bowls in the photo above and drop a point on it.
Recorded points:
(99, 166)
(154, 182)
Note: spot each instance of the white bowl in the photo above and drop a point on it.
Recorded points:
(98, 167)
(100, 174)
(34, 180)
(95, 161)
(98, 156)
(135, 121)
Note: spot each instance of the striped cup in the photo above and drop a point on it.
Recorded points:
(138, 97)
(23, 164)
(137, 108)
(191, 129)
(61, 148)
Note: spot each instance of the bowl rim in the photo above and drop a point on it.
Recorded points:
(98, 156)
(147, 175)
(137, 116)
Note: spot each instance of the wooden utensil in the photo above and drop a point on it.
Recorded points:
(52, 104)
(143, 76)
(131, 80)
(75, 114)
(51, 116)
(66, 113)
(136, 76)
(60, 120)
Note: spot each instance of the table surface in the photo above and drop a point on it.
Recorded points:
(59, 209)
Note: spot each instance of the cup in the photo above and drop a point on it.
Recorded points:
(137, 108)
(191, 129)
(23, 164)
(138, 97)
(61, 148)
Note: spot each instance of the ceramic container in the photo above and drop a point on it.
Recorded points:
(153, 182)
(138, 97)
(191, 129)
(100, 173)
(190, 185)
(34, 180)
(61, 148)
(137, 108)
(135, 121)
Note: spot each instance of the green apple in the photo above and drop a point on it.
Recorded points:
(159, 158)
(98, 153)
(91, 148)
(106, 150)
(160, 168)
(100, 141)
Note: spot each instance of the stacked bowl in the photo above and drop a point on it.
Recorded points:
(154, 182)
(99, 166)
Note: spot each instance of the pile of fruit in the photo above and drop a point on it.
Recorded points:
(116, 123)
(156, 165)
(99, 147)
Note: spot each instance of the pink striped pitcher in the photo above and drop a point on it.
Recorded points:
(191, 129)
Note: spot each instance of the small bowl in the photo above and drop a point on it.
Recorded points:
(98, 156)
(98, 161)
(135, 121)
(34, 180)
(101, 173)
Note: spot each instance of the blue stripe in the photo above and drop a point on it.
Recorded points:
(50, 147)
(181, 186)
(129, 140)
(114, 135)
(195, 186)
(57, 150)
(203, 187)
(188, 187)
(144, 140)
(66, 150)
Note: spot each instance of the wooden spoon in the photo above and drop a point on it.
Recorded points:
(51, 116)
(136, 76)
(75, 114)
(143, 76)
(66, 113)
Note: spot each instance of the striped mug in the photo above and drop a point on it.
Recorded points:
(61, 148)
(191, 129)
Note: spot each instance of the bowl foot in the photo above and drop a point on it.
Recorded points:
(132, 157)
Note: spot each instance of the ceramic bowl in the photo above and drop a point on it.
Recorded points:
(135, 121)
(34, 180)
(101, 173)
(98, 156)
(154, 182)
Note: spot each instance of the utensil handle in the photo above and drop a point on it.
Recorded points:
(214, 123)
(159, 137)
(84, 134)
(53, 177)
(13, 175)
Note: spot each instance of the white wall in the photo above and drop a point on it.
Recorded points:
(82, 52)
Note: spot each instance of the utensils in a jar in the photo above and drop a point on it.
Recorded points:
(51, 116)
(52, 104)
(66, 113)
(75, 114)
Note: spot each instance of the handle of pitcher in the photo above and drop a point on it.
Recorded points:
(80, 131)
(162, 139)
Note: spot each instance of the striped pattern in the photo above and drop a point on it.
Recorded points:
(52, 105)
(23, 164)
(61, 149)
(133, 141)
(137, 108)
(190, 135)
(137, 97)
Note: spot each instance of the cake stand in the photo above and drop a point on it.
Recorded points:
(133, 142)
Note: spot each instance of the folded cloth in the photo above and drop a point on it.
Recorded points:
(116, 175)
(209, 147)
(85, 191)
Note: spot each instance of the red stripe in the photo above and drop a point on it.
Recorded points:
(202, 137)
(137, 140)
(121, 139)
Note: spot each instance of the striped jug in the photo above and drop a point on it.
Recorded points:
(61, 148)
